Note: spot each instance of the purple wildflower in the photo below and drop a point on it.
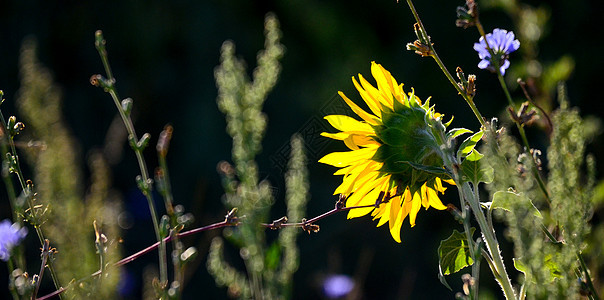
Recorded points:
(502, 43)
(10, 236)
(337, 286)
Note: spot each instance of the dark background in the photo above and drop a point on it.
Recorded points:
(163, 54)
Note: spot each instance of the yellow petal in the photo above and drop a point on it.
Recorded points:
(368, 97)
(359, 111)
(415, 206)
(368, 199)
(359, 212)
(435, 200)
(424, 197)
(363, 190)
(343, 159)
(384, 82)
(395, 229)
(395, 207)
(346, 123)
(352, 182)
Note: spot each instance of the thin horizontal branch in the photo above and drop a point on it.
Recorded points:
(230, 220)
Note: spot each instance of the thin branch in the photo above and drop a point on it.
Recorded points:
(230, 220)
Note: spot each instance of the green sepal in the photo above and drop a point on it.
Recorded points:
(394, 136)
(438, 172)
(505, 199)
(454, 253)
(468, 145)
(474, 171)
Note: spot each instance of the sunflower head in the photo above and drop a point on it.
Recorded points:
(394, 161)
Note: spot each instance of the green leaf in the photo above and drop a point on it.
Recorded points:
(442, 279)
(475, 171)
(454, 253)
(455, 132)
(468, 144)
(505, 200)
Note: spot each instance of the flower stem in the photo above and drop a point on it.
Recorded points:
(100, 45)
(443, 68)
(488, 234)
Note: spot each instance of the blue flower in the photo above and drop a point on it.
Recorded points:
(10, 236)
(502, 43)
(337, 286)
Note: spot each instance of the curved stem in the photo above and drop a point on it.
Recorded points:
(100, 46)
(444, 69)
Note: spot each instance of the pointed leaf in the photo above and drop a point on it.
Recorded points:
(505, 200)
(475, 171)
(455, 132)
(442, 279)
(468, 144)
(454, 253)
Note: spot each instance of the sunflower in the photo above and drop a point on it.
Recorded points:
(394, 167)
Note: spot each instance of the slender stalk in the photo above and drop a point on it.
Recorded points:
(29, 197)
(230, 220)
(522, 293)
(491, 242)
(110, 88)
(476, 266)
(444, 69)
(590, 284)
(45, 253)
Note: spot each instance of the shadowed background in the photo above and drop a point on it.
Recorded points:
(163, 55)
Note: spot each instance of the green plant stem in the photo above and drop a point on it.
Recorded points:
(443, 68)
(8, 182)
(100, 45)
(29, 197)
(476, 266)
(470, 240)
(522, 293)
(590, 284)
(488, 234)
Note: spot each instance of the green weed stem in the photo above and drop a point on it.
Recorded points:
(443, 68)
(138, 151)
(29, 197)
